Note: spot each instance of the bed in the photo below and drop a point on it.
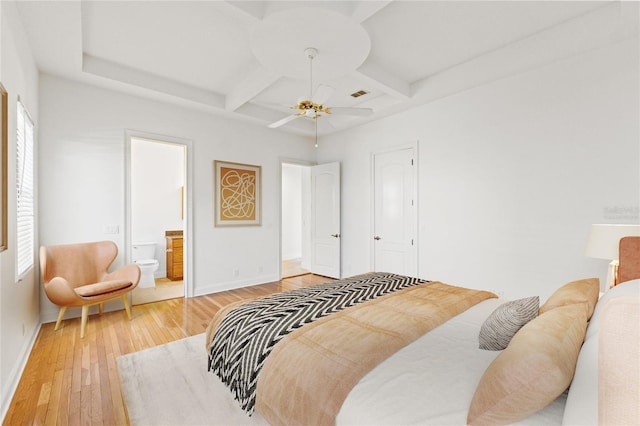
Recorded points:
(427, 374)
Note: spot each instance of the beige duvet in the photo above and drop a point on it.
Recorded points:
(310, 372)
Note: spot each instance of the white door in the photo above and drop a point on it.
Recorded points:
(325, 220)
(395, 218)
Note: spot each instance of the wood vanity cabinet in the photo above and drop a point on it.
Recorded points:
(174, 256)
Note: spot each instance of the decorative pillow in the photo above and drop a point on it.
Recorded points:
(503, 323)
(586, 290)
(581, 407)
(533, 370)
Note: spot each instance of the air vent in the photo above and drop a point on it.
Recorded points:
(359, 93)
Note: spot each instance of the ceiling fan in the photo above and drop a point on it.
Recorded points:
(314, 107)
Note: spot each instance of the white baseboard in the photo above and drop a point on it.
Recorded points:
(232, 285)
(16, 372)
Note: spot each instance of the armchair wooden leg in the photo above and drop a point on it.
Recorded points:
(100, 308)
(126, 306)
(83, 324)
(60, 315)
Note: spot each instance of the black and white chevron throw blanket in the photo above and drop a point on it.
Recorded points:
(248, 333)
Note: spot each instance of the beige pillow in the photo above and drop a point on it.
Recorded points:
(533, 370)
(586, 290)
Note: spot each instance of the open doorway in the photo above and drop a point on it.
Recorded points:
(296, 240)
(157, 218)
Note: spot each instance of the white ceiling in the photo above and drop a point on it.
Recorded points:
(245, 59)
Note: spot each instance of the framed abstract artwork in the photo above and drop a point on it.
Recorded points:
(4, 165)
(237, 194)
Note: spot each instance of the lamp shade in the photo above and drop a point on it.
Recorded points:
(604, 239)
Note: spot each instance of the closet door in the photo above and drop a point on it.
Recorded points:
(395, 245)
(325, 220)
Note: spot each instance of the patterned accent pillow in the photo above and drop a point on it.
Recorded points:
(505, 321)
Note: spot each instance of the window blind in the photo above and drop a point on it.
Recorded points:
(25, 192)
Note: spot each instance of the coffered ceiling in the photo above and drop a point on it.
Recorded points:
(245, 59)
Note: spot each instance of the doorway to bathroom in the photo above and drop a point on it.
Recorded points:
(157, 180)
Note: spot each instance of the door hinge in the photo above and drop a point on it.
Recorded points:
(412, 161)
(412, 241)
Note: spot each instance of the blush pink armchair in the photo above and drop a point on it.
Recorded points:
(76, 275)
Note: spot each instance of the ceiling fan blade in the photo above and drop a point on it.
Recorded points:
(363, 112)
(283, 121)
(322, 93)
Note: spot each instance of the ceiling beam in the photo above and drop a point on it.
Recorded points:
(115, 71)
(364, 10)
(603, 26)
(247, 12)
(250, 87)
(377, 77)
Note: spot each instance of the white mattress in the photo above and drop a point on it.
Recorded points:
(432, 381)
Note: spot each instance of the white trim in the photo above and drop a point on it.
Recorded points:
(232, 285)
(16, 373)
(188, 220)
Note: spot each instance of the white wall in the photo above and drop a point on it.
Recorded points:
(82, 177)
(512, 174)
(19, 310)
(157, 178)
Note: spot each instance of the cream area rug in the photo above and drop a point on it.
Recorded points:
(170, 385)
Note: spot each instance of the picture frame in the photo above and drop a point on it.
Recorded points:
(237, 194)
(4, 177)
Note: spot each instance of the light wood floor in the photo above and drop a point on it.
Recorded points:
(292, 268)
(71, 381)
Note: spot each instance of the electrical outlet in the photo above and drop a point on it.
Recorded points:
(111, 229)
(236, 272)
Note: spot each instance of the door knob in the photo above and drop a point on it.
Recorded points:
(377, 238)
(335, 235)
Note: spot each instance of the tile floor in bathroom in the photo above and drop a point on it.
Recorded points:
(165, 289)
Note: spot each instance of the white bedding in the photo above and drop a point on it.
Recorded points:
(429, 382)
(432, 381)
